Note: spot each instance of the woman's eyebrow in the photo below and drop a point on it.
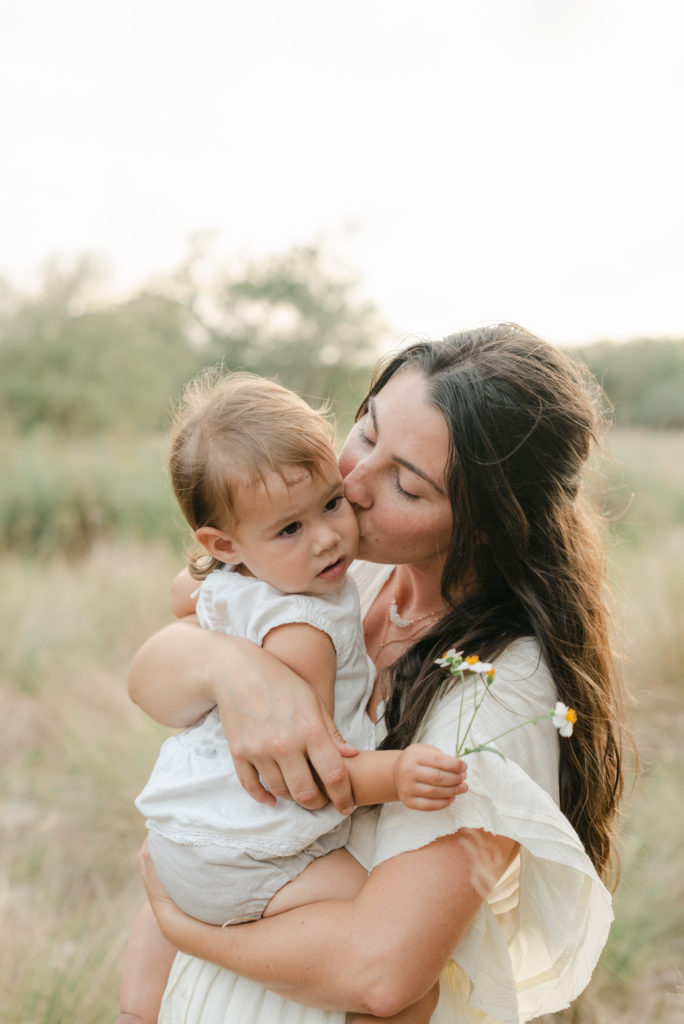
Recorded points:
(420, 473)
(404, 462)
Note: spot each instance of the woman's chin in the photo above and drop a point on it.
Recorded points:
(368, 551)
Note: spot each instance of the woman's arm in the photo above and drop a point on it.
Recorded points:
(276, 727)
(360, 954)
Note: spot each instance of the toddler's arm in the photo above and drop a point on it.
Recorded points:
(180, 599)
(424, 778)
(310, 653)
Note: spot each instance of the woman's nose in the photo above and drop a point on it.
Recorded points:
(356, 489)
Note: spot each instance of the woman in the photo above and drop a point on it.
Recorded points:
(464, 470)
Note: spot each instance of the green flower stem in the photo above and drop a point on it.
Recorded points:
(478, 705)
(486, 746)
(460, 710)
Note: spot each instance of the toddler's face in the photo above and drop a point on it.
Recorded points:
(297, 532)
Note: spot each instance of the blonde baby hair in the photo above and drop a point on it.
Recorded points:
(230, 431)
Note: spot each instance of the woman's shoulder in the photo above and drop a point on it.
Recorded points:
(521, 673)
(370, 577)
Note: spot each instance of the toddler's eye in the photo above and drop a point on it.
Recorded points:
(290, 529)
(334, 503)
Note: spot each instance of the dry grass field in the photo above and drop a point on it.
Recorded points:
(74, 753)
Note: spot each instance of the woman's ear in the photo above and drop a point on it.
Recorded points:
(218, 544)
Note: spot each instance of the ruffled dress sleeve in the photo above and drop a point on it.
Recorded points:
(534, 943)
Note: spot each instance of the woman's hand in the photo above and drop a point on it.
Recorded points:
(282, 740)
(165, 910)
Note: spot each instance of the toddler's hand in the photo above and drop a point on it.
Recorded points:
(427, 779)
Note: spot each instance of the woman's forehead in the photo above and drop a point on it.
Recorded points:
(411, 424)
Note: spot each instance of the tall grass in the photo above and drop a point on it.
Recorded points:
(640, 977)
(75, 752)
(62, 497)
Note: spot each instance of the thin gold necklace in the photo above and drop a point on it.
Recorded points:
(395, 619)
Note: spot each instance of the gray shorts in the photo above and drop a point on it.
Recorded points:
(227, 885)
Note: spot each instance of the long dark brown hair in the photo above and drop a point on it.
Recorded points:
(522, 417)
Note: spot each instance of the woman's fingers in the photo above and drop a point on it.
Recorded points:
(318, 776)
(295, 778)
(155, 890)
(283, 742)
(326, 753)
(309, 769)
(345, 749)
(250, 781)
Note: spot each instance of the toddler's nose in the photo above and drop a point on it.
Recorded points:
(326, 539)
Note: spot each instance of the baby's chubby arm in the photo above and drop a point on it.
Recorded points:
(423, 777)
(181, 598)
(310, 653)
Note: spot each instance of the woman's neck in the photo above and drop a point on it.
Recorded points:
(416, 591)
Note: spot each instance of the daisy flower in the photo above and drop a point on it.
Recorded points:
(564, 718)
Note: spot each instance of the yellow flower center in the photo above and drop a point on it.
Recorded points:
(472, 659)
(571, 716)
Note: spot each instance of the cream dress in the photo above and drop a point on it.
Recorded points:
(534, 943)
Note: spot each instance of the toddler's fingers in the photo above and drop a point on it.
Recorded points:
(429, 775)
(423, 791)
(425, 804)
(435, 758)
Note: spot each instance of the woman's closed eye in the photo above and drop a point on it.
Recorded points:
(405, 494)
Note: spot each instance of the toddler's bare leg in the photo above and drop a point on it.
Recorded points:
(419, 1013)
(337, 876)
(147, 962)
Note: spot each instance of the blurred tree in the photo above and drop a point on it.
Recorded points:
(643, 380)
(78, 366)
(290, 316)
(81, 370)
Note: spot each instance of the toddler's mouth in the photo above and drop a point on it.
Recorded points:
(333, 570)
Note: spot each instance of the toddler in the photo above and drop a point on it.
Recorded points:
(255, 474)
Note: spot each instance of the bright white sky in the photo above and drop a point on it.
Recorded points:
(471, 160)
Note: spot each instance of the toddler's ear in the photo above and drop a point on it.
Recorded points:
(218, 544)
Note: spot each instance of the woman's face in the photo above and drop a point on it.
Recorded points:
(394, 464)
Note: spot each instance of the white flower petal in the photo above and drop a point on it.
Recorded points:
(559, 713)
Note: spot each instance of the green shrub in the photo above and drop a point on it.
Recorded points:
(58, 497)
